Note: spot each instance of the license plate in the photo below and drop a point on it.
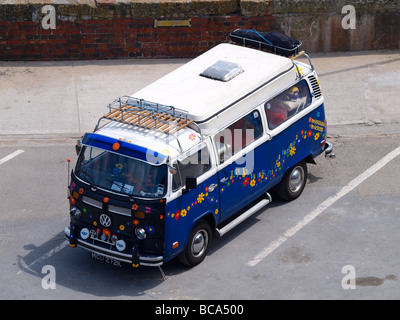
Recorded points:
(108, 260)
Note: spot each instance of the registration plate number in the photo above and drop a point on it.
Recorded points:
(105, 259)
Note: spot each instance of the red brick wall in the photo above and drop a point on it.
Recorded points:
(119, 38)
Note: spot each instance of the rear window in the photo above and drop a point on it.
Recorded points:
(287, 104)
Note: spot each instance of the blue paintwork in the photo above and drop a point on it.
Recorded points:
(183, 212)
(271, 160)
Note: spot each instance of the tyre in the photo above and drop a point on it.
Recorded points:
(293, 182)
(198, 244)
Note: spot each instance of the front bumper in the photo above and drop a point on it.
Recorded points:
(144, 260)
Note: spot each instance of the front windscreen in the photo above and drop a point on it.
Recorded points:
(117, 173)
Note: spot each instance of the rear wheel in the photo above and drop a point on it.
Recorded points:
(197, 247)
(293, 182)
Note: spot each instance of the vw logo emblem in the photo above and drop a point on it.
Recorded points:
(105, 220)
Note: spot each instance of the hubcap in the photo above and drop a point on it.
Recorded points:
(296, 179)
(199, 243)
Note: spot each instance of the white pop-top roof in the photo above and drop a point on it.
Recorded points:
(203, 97)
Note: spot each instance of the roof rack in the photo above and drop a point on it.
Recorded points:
(255, 39)
(148, 115)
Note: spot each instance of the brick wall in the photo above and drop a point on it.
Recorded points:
(111, 29)
(112, 33)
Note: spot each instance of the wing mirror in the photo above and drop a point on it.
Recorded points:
(190, 184)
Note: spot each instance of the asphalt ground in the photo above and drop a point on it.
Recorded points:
(344, 224)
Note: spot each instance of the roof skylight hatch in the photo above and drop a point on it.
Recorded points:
(222, 70)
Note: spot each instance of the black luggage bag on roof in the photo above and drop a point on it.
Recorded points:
(274, 41)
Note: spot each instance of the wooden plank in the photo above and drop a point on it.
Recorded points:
(298, 55)
(149, 119)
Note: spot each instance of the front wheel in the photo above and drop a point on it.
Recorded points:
(293, 182)
(198, 244)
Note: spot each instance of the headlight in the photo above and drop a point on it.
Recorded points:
(76, 213)
(140, 233)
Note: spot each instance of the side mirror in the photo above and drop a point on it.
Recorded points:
(191, 183)
(78, 146)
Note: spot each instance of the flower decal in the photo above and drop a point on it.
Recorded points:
(252, 183)
(192, 137)
(200, 198)
(183, 213)
(134, 206)
(292, 150)
(150, 229)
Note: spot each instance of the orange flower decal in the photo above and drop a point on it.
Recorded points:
(116, 146)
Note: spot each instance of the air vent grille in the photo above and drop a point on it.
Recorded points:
(315, 86)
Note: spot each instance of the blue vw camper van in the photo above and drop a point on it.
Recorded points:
(193, 154)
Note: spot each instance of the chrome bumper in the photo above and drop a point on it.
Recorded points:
(144, 260)
(329, 150)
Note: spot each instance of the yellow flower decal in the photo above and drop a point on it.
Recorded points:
(292, 151)
(122, 227)
(95, 223)
(252, 183)
(183, 213)
(200, 198)
(316, 136)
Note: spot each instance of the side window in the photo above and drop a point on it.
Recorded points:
(192, 165)
(238, 135)
(287, 104)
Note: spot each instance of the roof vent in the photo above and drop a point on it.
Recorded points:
(222, 71)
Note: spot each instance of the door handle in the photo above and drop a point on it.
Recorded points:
(224, 180)
(211, 187)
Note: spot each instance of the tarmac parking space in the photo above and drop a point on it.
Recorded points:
(357, 230)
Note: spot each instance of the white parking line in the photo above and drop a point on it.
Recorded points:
(324, 205)
(10, 156)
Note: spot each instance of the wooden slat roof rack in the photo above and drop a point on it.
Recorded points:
(148, 115)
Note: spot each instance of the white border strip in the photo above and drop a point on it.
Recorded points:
(324, 205)
(10, 156)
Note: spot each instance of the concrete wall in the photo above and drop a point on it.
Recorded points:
(109, 29)
(318, 23)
